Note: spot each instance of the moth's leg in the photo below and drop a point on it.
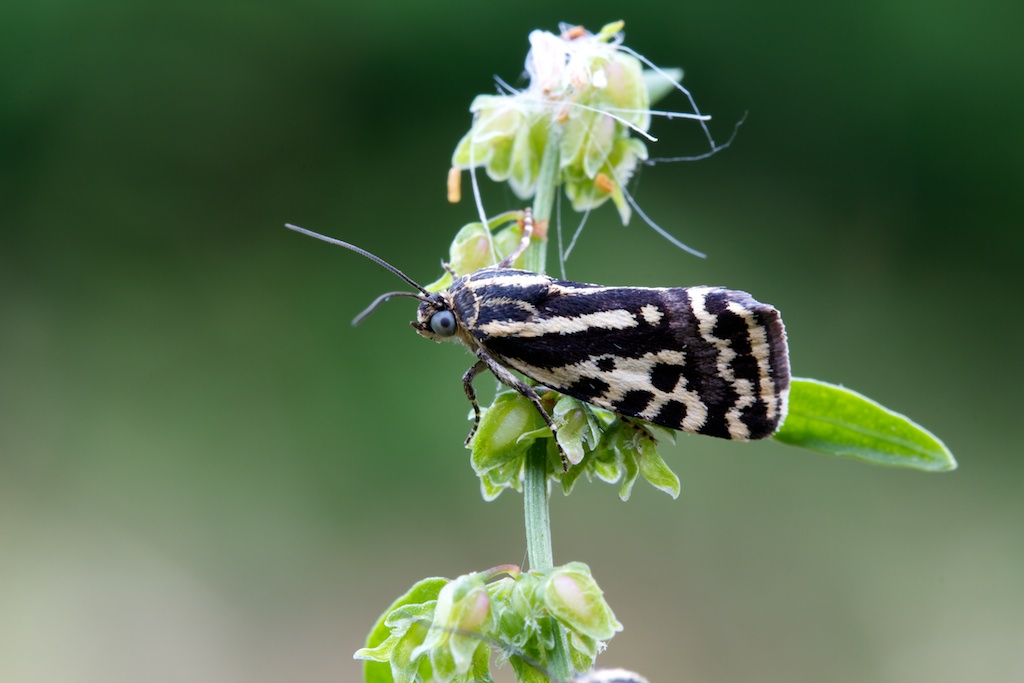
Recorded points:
(511, 381)
(524, 241)
(467, 384)
(642, 427)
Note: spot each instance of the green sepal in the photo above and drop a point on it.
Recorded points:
(654, 469)
(489, 141)
(835, 420)
(481, 669)
(380, 644)
(630, 469)
(663, 83)
(578, 428)
(619, 165)
(462, 610)
(476, 246)
(508, 427)
(573, 597)
(404, 669)
(626, 94)
(628, 449)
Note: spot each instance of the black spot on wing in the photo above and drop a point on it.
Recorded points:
(671, 415)
(634, 402)
(587, 388)
(716, 300)
(665, 376)
(756, 419)
(745, 367)
(734, 328)
(716, 424)
(606, 364)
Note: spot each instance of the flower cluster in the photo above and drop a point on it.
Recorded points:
(594, 92)
(596, 442)
(444, 630)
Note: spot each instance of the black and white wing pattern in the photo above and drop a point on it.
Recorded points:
(706, 360)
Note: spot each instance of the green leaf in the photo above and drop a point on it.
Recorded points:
(832, 419)
(423, 591)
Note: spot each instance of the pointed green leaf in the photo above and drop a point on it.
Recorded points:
(832, 419)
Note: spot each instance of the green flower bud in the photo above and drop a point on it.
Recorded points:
(461, 615)
(574, 598)
(507, 429)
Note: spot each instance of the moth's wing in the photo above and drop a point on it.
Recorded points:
(706, 360)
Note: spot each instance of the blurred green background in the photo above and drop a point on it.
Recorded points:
(207, 475)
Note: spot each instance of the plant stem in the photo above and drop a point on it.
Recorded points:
(535, 502)
(535, 489)
(544, 198)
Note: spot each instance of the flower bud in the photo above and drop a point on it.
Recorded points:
(574, 598)
(461, 615)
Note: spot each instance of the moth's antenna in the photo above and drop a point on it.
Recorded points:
(362, 252)
(381, 299)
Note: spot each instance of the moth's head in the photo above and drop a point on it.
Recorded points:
(435, 318)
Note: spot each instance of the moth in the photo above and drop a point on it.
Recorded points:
(705, 360)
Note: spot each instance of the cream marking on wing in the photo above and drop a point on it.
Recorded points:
(517, 303)
(628, 375)
(566, 290)
(652, 314)
(618, 319)
(759, 347)
(521, 280)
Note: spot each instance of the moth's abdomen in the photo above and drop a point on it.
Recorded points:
(701, 359)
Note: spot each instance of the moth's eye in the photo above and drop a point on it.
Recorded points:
(443, 323)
